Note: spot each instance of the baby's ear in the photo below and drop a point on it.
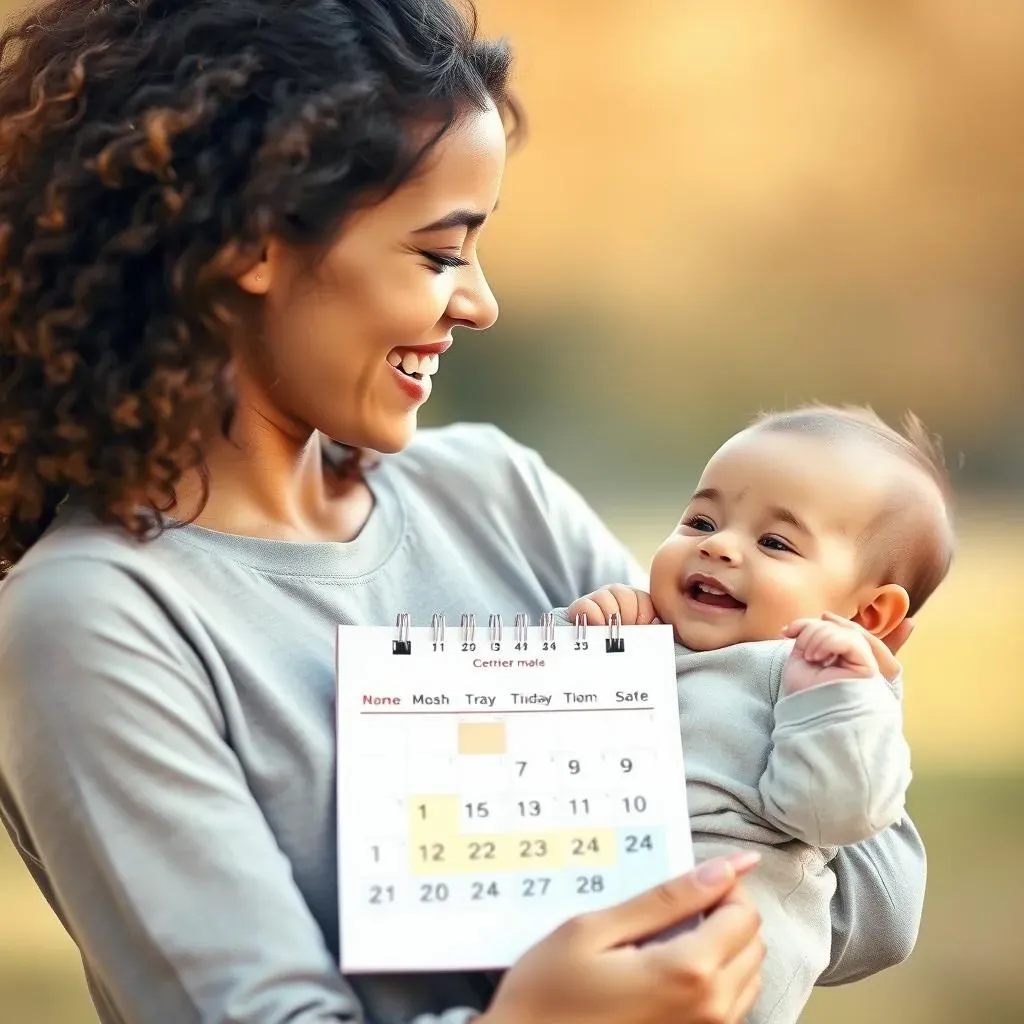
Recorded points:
(883, 609)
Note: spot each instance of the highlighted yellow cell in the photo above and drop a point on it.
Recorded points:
(482, 738)
(489, 852)
(538, 850)
(433, 816)
(438, 851)
(435, 856)
(465, 855)
(590, 847)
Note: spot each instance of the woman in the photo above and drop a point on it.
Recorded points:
(230, 232)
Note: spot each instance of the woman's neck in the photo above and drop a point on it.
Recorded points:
(274, 481)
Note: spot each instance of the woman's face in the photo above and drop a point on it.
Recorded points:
(348, 346)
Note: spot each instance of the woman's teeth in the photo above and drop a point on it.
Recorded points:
(412, 364)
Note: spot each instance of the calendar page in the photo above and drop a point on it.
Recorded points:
(495, 783)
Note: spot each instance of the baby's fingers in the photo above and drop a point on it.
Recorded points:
(829, 644)
(798, 627)
(806, 633)
(590, 609)
(887, 663)
(634, 606)
(608, 601)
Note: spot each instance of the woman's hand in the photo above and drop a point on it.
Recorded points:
(588, 971)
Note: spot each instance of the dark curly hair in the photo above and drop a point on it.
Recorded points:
(144, 145)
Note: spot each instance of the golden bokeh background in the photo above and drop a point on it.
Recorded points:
(724, 206)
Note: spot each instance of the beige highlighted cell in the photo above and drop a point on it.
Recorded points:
(482, 738)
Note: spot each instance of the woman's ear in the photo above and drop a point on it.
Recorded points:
(257, 278)
(883, 610)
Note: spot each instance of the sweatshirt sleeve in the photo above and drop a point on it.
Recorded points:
(839, 766)
(877, 907)
(117, 780)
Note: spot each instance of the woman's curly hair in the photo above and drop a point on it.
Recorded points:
(144, 145)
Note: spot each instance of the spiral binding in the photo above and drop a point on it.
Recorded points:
(547, 628)
(402, 644)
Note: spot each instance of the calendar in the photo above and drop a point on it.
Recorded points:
(495, 781)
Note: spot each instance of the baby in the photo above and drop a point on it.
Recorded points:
(811, 536)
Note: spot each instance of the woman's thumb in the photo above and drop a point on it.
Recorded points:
(653, 911)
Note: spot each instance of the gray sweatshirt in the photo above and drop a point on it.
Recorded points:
(794, 777)
(167, 747)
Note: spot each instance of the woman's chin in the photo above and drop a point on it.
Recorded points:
(391, 436)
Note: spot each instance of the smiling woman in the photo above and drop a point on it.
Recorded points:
(235, 241)
(122, 132)
(347, 336)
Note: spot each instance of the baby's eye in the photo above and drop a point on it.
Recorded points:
(701, 523)
(775, 544)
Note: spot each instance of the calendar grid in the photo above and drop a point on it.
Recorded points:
(502, 782)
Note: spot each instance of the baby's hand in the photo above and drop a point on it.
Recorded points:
(827, 649)
(634, 606)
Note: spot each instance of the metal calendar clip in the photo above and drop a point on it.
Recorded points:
(522, 630)
(437, 631)
(403, 645)
(468, 629)
(494, 627)
(581, 628)
(547, 630)
(614, 644)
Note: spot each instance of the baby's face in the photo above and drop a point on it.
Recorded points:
(769, 536)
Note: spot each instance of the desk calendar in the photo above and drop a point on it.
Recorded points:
(495, 782)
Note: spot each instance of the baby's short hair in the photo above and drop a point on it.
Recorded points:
(911, 541)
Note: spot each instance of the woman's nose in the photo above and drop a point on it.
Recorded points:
(473, 304)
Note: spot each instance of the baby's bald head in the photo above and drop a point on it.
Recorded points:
(910, 541)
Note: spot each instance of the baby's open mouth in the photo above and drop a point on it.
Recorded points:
(705, 593)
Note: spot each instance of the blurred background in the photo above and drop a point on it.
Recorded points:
(726, 206)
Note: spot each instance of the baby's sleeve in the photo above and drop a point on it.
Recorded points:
(839, 768)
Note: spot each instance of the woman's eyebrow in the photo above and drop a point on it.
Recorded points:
(461, 218)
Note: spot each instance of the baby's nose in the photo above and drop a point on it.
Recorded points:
(720, 548)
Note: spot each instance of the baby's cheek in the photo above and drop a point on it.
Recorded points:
(785, 599)
(666, 571)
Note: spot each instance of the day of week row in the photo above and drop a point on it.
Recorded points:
(571, 698)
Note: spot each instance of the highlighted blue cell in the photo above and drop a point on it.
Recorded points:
(643, 859)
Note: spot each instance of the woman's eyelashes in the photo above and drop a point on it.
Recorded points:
(442, 261)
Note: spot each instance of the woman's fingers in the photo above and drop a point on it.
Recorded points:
(743, 978)
(658, 909)
(726, 933)
(717, 965)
